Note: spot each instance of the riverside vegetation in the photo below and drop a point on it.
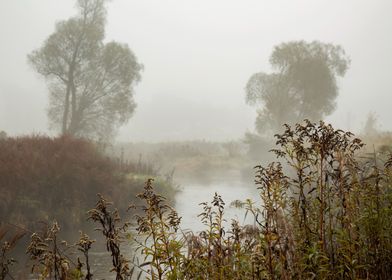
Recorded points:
(44, 178)
(324, 213)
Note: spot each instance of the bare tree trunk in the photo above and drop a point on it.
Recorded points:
(74, 113)
(66, 110)
(67, 129)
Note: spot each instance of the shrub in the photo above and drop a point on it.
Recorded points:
(43, 178)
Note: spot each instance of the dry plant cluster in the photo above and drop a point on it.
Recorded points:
(325, 213)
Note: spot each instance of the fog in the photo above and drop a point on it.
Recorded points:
(198, 56)
(218, 80)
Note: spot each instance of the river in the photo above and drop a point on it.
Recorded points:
(190, 196)
(187, 205)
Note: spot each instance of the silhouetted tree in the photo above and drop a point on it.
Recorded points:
(303, 84)
(90, 82)
(371, 125)
(3, 134)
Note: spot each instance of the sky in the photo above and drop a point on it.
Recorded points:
(198, 56)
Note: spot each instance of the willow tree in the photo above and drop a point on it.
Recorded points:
(90, 82)
(303, 84)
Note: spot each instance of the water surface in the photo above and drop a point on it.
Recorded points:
(189, 198)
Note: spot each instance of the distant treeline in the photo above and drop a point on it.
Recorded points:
(197, 161)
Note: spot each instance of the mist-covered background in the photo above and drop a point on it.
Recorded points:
(198, 56)
(215, 195)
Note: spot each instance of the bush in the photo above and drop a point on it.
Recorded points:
(43, 178)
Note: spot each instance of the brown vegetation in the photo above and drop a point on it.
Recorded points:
(43, 178)
(323, 214)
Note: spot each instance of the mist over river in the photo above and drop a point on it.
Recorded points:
(188, 199)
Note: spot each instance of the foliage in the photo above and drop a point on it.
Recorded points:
(52, 258)
(43, 178)
(47, 253)
(158, 228)
(90, 82)
(324, 213)
(8, 241)
(302, 86)
(108, 220)
(84, 245)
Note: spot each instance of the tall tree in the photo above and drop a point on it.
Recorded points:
(303, 84)
(90, 82)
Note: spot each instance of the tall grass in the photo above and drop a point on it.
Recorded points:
(324, 213)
